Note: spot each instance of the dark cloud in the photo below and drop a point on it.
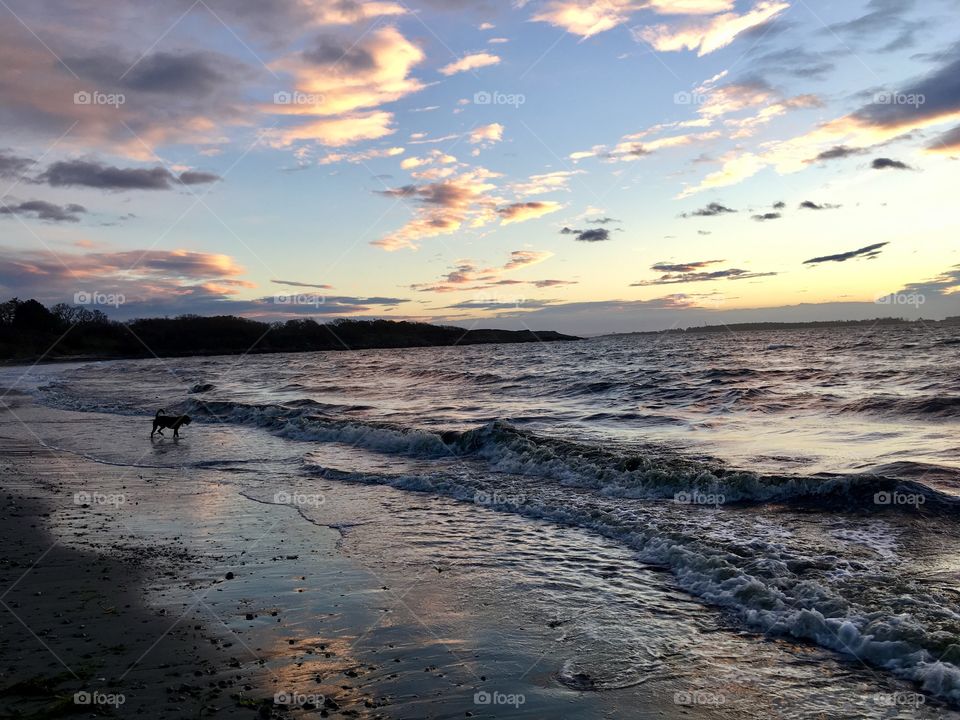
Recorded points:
(837, 152)
(767, 216)
(710, 210)
(196, 74)
(870, 251)
(948, 141)
(12, 166)
(591, 235)
(779, 205)
(882, 17)
(689, 277)
(551, 283)
(524, 210)
(42, 210)
(933, 96)
(944, 285)
(85, 173)
(683, 267)
(888, 163)
(602, 221)
(810, 205)
(795, 62)
(293, 283)
(498, 304)
(331, 50)
(192, 177)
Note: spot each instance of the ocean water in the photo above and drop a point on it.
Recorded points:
(802, 485)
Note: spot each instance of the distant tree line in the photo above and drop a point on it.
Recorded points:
(28, 330)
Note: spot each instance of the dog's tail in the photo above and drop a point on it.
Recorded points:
(159, 413)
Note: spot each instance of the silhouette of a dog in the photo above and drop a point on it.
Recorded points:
(161, 421)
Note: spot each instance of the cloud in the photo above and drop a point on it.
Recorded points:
(345, 83)
(920, 104)
(192, 177)
(711, 210)
(603, 221)
(687, 272)
(883, 16)
(546, 182)
(706, 36)
(586, 17)
(683, 267)
(883, 163)
(767, 216)
(590, 17)
(469, 63)
(948, 142)
(838, 152)
(86, 173)
(196, 74)
(359, 157)
(293, 283)
(870, 251)
(42, 210)
(523, 211)
(810, 205)
(591, 235)
(496, 304)
(158, 99)
(13, 166)
(486, 134)
(523, 258)
(947, 284)
(336, 132)
(139, 275)
(443, 207)
(467, 276)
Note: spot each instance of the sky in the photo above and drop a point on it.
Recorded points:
(586, 166)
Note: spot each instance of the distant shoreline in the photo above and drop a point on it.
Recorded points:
(30, 332)
(810, 325)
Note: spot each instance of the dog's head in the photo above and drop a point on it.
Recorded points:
(186, 420)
